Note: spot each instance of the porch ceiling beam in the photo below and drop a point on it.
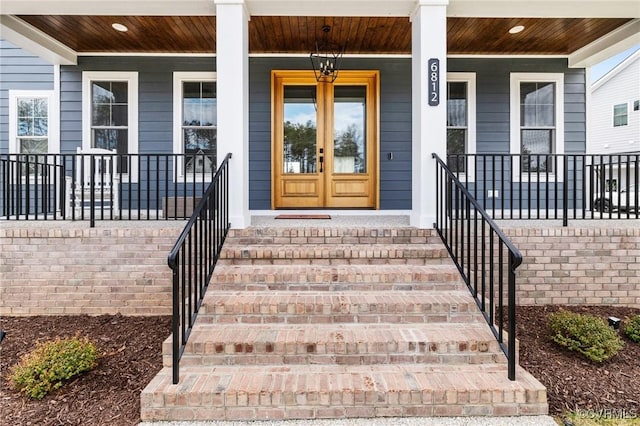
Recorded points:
(456, 8)
(605, 47)
(544, 8)
(35, 41)
(110, 7)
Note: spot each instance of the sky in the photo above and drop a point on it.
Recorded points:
(604, 67)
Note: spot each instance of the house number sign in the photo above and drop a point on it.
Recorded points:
(434, 82)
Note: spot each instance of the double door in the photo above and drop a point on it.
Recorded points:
(325, 140)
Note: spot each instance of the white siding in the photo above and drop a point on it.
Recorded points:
(621, 86)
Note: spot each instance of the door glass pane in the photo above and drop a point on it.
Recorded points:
(349, 131)
(300, 127)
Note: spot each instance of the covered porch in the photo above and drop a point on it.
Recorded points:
(247, 40)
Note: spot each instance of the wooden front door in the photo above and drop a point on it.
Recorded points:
(325, 140)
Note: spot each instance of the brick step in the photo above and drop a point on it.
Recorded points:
(349, 344)
(334, 254)
(322, 307)
(299, 276)
(338, 391)
(340, 235)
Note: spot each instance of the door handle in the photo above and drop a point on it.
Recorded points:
(321, 162)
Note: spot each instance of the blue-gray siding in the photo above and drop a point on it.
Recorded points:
(19, 70)
(156, 104)
(395, 127)
(155, 97)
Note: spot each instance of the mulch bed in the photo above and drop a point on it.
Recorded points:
(107, 395)
(573, 382)
(131, 348)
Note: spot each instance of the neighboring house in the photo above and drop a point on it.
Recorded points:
(614, 122)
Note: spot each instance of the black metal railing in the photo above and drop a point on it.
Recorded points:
(485, 257)
(31, 187)
(102, 186)
(194, 256)
(552, 186)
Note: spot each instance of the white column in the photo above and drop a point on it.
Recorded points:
(232, 65)
(429, 129)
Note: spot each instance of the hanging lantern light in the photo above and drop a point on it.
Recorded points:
(327, 58)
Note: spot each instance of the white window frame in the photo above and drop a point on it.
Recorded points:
(178, 148)
(626, 114)
(516, 144)
(470, 79)
(132, 111)
(53, 122)
(53, 114)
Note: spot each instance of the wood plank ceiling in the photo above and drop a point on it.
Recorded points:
(290, 34)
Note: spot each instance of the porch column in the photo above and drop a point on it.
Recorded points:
(429, 128)
(232, 65)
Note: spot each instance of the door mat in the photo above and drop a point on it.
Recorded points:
(303, 216)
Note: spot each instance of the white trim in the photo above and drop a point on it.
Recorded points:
(131, 78)
(470, 79)
(306, 55)
(626, 114)
(461, 8)
(53, 117)
(617, 41)
(515, 143)
(35, 41)
(332, 212)
(55, 145)
(616, 70)
(178, 148)
(150, 54)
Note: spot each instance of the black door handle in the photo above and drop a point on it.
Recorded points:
(321, 162)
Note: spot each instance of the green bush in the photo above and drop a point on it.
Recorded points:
(591, 336)
(51, 363)
(632, 328)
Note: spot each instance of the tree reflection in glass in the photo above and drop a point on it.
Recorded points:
(349, 149)
(300, 129)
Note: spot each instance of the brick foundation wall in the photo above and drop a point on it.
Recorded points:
(70, 269)
(578, 265)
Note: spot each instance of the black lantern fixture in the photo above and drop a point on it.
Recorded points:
(327, 58)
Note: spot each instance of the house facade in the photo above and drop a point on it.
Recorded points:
(614, 126)
(218, 77)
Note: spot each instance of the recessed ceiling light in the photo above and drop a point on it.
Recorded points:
(516, 29)
(119, 27)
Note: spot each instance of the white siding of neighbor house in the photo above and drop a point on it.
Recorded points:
(621, 85)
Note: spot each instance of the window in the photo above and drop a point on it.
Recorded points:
(195, 122)
(620, 116)
(461, 133)
(110, 115)
(33, 123)
(636, 105)
(537, 124)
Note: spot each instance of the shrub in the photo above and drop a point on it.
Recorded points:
(51, 363)
(591, 336)
(632, 328)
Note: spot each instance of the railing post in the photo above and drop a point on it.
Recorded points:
(565, 191)
(175, 325)
(513, 264)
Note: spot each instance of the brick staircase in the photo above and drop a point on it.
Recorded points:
(338, 322)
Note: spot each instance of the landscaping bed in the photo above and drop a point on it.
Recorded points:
(131, 356)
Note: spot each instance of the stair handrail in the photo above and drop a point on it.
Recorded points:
(193, 258)
(454, 206)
